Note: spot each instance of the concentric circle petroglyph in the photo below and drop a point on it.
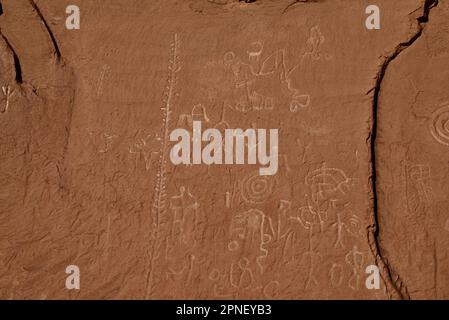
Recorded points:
(257, 188)
(439, 125)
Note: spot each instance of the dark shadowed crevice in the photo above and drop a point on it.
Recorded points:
(47, 27)
(17, 65)
(297, 2)
(18, 69)
(393, 288)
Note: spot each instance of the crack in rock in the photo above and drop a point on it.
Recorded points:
(393, 289)
(297, 2)
(17, 65)
(57, 52)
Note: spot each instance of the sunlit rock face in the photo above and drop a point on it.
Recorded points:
(346, 197)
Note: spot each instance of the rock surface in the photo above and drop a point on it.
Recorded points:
(85, 175)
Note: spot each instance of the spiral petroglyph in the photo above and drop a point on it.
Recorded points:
(439, 125)
(256, 188)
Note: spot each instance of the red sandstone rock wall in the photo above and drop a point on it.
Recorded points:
(85, 171)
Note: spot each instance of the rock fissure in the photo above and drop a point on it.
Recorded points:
(393, 289)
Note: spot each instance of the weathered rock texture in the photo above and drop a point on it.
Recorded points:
(85, 175)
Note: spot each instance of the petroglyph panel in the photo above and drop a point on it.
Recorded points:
(87, 178)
